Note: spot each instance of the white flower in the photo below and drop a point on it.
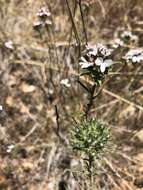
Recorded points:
(135, 55)
(117, 43)
(38, 24)
(9, 148)
(137, 58)
(92, 50)
(103, 63)
(9, 45)
(103, 50)
(43, 12)
(96, 55)
(1, 108)
(65, 82)
(126, 34)
(51, 91)
(84, 63)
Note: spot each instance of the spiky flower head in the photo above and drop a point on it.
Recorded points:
(90, 138)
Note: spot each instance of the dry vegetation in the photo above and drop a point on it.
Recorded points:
(38, 110)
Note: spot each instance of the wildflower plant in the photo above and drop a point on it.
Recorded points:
(90, 136)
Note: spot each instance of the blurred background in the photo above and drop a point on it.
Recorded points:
(40, 95)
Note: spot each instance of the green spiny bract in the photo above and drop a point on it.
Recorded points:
(89, 138)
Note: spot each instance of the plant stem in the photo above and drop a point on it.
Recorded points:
(83, 22)
(90, 103)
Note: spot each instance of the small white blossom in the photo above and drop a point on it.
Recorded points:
(38, 23)
(103, 50)
(84, 63)
(43, 12)
(117, 43)
(92, 50)
(1, 108)
(126, 34)
(51, 91)
(135, 55)
(65, 82)
(103, 63)
(9, 45)
(9, 148)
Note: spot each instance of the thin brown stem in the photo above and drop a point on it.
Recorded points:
(74, 27)
(90, 103)
(83, 22)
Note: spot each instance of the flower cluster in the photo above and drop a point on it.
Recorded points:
(125, 38)
(134, 55)
(43, 13)
(96, 58)
(128, 36)
(43, 18)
